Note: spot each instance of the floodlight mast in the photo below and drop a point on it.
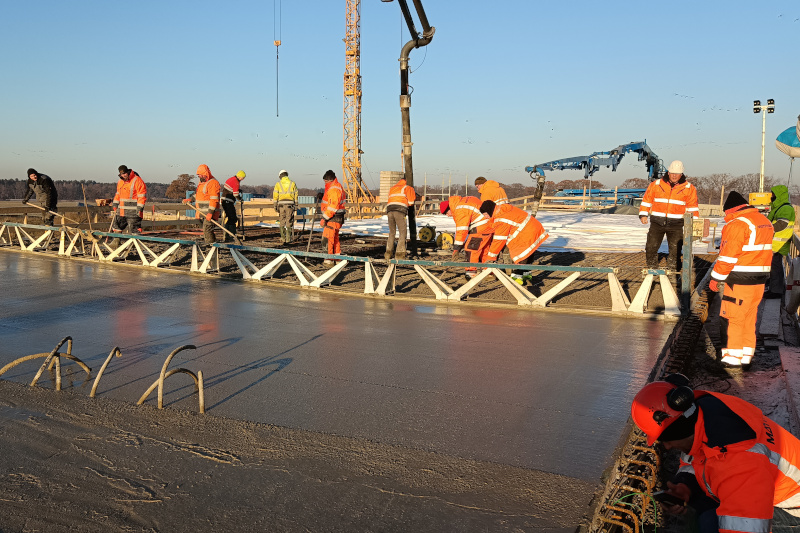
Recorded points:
(758, 108)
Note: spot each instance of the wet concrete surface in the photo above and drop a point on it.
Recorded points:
(548, 392)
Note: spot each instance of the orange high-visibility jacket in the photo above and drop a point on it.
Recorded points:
(131, 195)
(492, 190)
(745, 252)
(207, 195)
(400, 197)
(749, 464)
(516, 229)
(332, 200)
(467, 216)
(662, 200)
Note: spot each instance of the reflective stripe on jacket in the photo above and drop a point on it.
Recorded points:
(492, 190)
(131, 195)
(332, 200)
(518, 230)
(745, 252)
(467, 216)
(285, 191)
(663, 200)
(400, 197)
(749, 472)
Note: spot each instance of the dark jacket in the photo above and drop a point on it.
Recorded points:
(45, 191)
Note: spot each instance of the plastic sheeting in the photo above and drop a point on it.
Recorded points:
(788, 141)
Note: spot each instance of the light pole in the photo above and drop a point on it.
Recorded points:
(758, 108)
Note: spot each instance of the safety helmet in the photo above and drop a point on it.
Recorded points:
(444, 206)
(241, 175)
(660, 404)
(283, 173)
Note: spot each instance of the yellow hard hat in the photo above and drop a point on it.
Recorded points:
(241, 175)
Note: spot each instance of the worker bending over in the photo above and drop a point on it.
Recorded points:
(45, 190)
(739, 470)
(230, 195)
(206, 199)
(401, 199)
(516, 229)
(332, 214)
(665, 201)
(128, 204)
(739, 274)
(491, 190)
(285, 198)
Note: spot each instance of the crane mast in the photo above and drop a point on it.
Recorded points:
(357, 193)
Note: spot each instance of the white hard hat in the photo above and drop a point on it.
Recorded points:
(676, 167)
(283, 173)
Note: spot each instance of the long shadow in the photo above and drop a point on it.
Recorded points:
(254, 365)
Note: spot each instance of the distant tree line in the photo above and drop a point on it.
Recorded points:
(709, 188)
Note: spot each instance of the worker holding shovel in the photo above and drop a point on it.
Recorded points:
(128, 203)
(45, 190)
(206, 198)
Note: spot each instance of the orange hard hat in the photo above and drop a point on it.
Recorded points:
(444, 206)
(658, 405)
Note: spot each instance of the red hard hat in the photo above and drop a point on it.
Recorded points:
(651, 411)
(444, 206)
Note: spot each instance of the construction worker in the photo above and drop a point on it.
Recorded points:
(45, 190)
(739, 274)
(782, 216)
(665, 201)
(739, 469)
(231, 195)
(332, 209)
(128, 204)
(466, 213)
(206, 198)
(516, 229)
(401, 197)
(285, 197)
(491, 190)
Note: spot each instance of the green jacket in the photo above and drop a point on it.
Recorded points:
(782, 216)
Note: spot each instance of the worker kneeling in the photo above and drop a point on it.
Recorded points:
(739, 469)
(513, 228)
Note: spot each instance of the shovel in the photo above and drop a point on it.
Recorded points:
(220, 226)
(85, 233)
(241, 218)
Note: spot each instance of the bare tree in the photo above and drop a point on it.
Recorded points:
(635, 183)
(177, 189)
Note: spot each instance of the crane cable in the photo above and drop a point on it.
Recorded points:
(276, 37)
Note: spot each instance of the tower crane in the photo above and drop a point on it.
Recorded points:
(357, 192)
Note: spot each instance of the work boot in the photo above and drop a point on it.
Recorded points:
(389, 253)
(289, 235)
(114, 243)
(283, 234)
(400, 255)
(328, 262)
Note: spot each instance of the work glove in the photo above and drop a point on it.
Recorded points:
(715, 286)
(209, 216)
(186, 200)
(323, 222)
(25, 202)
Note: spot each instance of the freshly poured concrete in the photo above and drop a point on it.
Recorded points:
(544, 391)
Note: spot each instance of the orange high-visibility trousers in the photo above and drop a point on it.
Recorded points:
(739, 311)
(331, 234)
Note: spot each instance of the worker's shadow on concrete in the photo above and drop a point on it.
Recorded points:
(274, 363)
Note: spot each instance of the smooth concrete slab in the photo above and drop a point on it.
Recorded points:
(543, 391)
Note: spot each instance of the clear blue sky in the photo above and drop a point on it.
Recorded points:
(163, 86)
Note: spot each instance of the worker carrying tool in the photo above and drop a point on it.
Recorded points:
(45, 190)
(285, 198)
(128, 204)
(333, 211)
(491, 190)
(206, 198)
(516, 229)
(231, 195)
(739, 469)
(665, 201)
(782, 216)
(401, 197)
(739, 274)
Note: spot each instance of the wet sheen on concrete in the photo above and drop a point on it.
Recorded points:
(544, 391)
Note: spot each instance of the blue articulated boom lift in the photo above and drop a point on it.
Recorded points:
(592, 163)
